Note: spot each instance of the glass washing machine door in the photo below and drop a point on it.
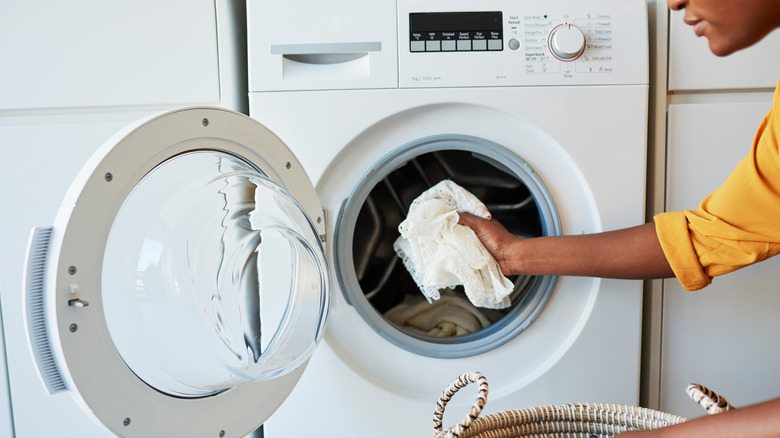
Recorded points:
(183, 285)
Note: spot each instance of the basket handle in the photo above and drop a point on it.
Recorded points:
(462, 381)
(709, 400)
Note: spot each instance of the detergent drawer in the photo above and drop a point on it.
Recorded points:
(322, 45)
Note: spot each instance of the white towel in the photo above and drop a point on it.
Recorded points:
(440, 253)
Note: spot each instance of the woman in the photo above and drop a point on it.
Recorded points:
(737, 225)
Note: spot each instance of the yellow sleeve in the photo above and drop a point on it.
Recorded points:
(735, 226)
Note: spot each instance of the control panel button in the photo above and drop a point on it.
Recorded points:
(567, 42)
(417, 46)
(514, 44)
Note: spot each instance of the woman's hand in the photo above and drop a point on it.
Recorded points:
(496, 239)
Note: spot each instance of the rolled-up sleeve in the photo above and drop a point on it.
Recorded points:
(735, 226)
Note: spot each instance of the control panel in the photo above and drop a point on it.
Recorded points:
(447, 43)
(547, 42)
(522, 43)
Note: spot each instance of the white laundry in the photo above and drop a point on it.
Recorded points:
(452, 315)
(440, 253)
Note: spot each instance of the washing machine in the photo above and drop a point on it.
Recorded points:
(537, 108)
(208, 272)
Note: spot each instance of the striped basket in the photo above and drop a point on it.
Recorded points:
(585, 420)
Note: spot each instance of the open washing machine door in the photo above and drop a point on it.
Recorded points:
(184, 284)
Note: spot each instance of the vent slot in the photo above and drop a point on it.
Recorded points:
(37, 251)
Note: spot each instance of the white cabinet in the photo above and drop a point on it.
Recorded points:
(72, 74)
(97, 54)
(693, 67)
(722, 336)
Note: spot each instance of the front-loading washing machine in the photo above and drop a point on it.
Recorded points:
(539, 108)
(187, 278)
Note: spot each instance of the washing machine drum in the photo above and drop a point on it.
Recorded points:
(184, 284)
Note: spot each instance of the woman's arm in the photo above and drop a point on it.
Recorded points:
(631, 253)
(755, 421)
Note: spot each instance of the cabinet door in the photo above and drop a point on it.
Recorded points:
(88, 54)
(692, 66)
(723, 336)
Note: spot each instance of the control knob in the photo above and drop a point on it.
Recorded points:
(567, 42)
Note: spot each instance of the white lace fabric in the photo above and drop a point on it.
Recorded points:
(439, 253)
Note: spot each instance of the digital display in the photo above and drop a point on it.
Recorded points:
(455, 31)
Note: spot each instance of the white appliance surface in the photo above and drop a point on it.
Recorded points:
(73, 75)
(581, 126)
(720, 336)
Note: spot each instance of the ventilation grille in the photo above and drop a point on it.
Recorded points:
(36, 310)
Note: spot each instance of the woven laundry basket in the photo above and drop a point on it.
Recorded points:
(574, 420)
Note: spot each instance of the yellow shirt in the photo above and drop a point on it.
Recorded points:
(735, 226)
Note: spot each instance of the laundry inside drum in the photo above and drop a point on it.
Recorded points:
(513, 194)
